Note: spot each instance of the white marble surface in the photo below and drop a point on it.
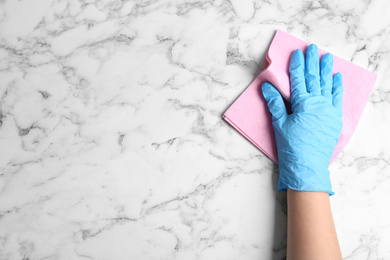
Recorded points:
(112, 144)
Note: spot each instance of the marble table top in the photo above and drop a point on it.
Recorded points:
(112, 144)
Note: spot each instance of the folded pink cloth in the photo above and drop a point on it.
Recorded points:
(249, 113)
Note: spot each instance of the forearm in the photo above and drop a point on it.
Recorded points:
(311, 233)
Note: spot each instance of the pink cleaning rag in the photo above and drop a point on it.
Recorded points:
(249, 113)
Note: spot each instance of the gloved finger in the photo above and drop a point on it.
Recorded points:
(274, 100)
(312, 72)
(297, 74)
(326, 75)
(337, 91)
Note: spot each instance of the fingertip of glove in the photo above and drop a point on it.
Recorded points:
(266, 88)
(339, 76)
(327, 58)
(266, 85)
(297, 60)
(338, 79)
(297, 53)
(312, 48)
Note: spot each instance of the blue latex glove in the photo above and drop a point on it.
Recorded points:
(306, 138)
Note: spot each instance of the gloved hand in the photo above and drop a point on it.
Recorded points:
(306, 138)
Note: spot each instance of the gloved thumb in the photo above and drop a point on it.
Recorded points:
(274, 100)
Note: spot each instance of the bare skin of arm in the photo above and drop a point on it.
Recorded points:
(311, 233)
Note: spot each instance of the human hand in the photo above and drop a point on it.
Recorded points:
(306, 138)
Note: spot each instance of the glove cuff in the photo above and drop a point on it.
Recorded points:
(305, 179)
